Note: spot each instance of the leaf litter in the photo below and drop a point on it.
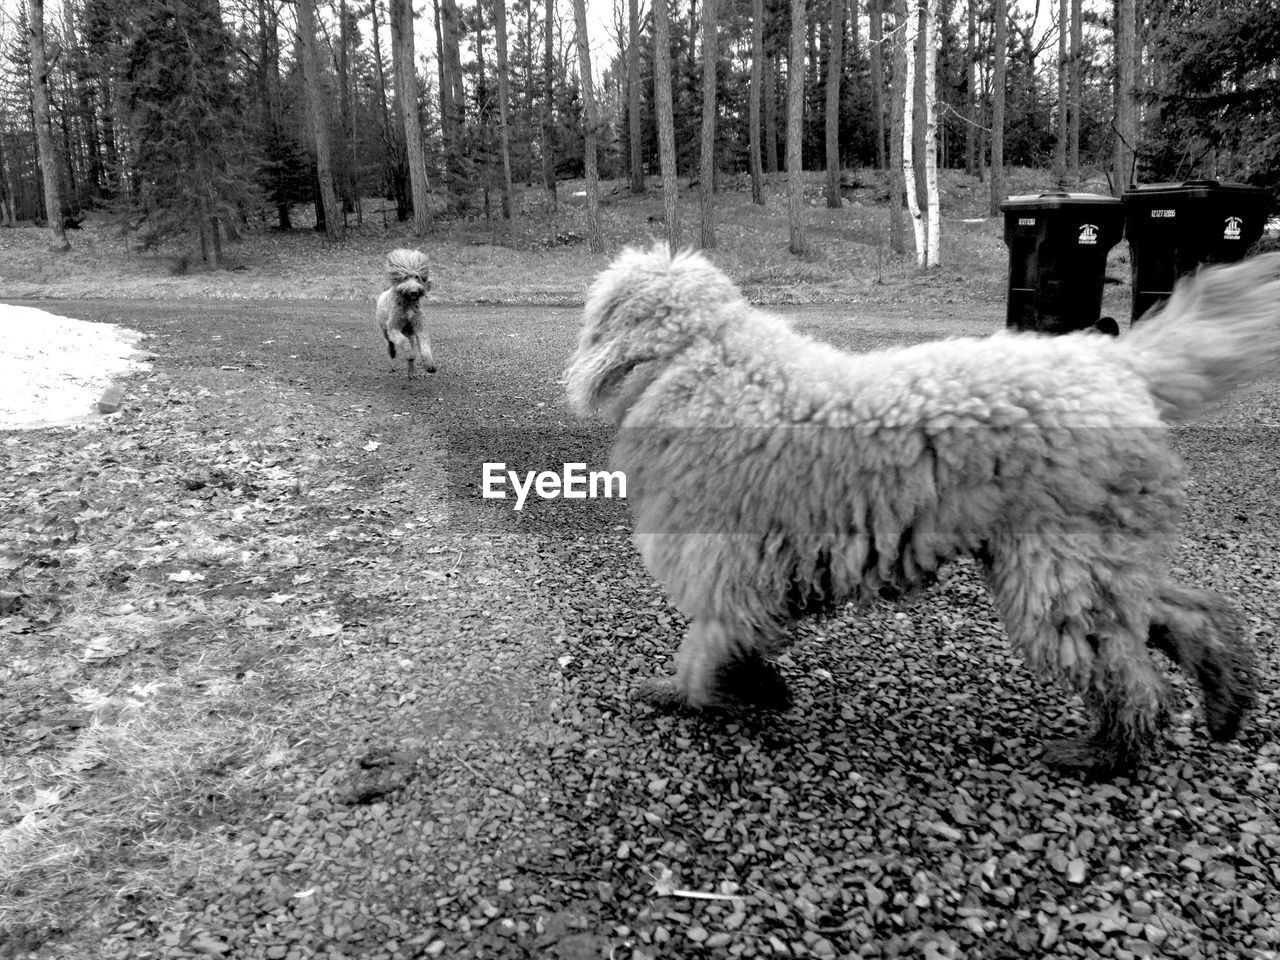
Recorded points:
(391, 722)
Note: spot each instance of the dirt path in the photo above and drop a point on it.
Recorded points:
(353, 709)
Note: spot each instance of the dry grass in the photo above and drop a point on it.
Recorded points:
(848, 256)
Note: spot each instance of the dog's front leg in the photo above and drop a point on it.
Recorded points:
(422, 349)
(718, 666)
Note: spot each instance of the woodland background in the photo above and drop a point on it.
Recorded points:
(201, 119)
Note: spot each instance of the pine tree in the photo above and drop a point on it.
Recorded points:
(193, 161)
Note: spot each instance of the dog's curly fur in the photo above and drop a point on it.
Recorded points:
(771, 475)
(399, 309)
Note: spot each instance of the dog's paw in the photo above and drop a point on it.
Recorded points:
(1091, 758)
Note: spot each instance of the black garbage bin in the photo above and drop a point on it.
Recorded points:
(1058, 244)
(1175, 227)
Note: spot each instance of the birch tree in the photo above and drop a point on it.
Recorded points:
(933, 231)
(753, 101)
(911, 40)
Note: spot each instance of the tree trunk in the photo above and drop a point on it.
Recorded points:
(44, 134)
(1074, 98)
(445, 90)
(898, 98)
(795, 116)
(911, 40)
(595, 241)
(875, 19)
(769, 88)
(999, 54)
(1126, 97)
(453, 123)
(835, 51)
(319, 122)
(633, 96)
(665, 120)
(971, 158)
(504, 121)
(346, 112)
(548, 105)
(753, 101)
(407, 92)
(933, 245)
(1060, 141)
(707, 153)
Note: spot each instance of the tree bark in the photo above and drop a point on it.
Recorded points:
(911, 41)
(933, 230)
(753, 101)
(319, 121)
(595, 241)
(898, 99)
(666, 121)
(707, 153)
(504, 121)
(1073, 100)
(971, 158)
(769, 89)
(875, 19)
(633, 96)
(795, 116)
(1000, 73)
(835, 53)
(407, 92)
(1060, 141)
(1126, 131)
(548, 104)
(44, 135)
(453, 123)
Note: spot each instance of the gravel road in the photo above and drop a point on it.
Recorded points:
(479, 784)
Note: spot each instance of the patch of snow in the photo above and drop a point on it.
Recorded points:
(54, 369)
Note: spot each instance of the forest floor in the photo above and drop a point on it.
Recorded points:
(848, 260)
(278, 683)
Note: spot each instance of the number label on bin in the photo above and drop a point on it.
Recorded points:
(1233, 229)
(1163, 214)
(1088, 235)
(1026, 221)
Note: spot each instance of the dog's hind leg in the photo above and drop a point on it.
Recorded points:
(1126, 697)
(1078, 609)
(718, 666)
(1202, 633)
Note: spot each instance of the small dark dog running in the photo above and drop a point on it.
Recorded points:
(399, 312)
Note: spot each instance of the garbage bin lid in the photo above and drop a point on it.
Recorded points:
(1057, 199)
(1194, 188)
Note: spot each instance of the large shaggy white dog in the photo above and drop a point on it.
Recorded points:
(771, 475)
